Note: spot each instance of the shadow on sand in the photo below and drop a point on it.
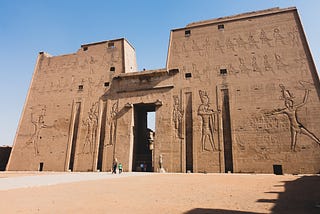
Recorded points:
(300, 196)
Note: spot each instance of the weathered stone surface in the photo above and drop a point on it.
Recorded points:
(238, 94)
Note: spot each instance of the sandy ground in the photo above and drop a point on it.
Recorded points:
(159, 193)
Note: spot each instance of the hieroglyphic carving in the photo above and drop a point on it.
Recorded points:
(267, 65)
(243, 68)
(185, 49)
(195, 46)
(177, 114)
(241, 144)
(252, 42)
(255, 66)
(230, 45)
(218, 46)
(113, 122)
(91, 124)
(278, 38)
(232, 70)
(264, 38)
(176, 50)
(302, 63)
(208, 121)
(207, 47)
(294, 36)
(290, 111)
(260, 122)
(38, 124)
(280, 64)
(241, 43)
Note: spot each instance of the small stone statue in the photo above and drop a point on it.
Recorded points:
(162, 170)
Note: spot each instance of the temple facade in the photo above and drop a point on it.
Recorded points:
(238, 94)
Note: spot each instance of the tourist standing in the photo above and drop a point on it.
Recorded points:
(114, 166)
(120, 168)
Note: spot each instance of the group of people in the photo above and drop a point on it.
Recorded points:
(116, 165)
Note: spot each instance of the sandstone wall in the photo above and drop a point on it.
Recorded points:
(62, 85)
(238, 94)
(264, 62)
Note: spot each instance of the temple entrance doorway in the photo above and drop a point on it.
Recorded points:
(144, 130)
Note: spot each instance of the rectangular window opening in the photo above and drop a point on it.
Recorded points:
(112, 68)
(220, 26)
(80, 87)
(188, 75)
(223, 71)
(85, 48)
(187, 33)
(106, 84)
(111, 45)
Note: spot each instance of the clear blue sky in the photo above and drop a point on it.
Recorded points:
(61, 26)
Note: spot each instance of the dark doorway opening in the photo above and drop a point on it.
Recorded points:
(227, 139)
(41, 167)
(189, 131)
(277, 169)
(143, 139)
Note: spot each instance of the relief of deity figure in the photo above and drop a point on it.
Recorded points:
(230, 45)
(264, 38)
(280, 64)
(177, 114)
(252, 42)
(113, 122)
(38, 126)
(241, 43)
(208, 121)
(278, 37)
(91, 123)
(267, 65)
(290, 111)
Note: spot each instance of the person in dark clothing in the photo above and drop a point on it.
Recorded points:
(114, 166)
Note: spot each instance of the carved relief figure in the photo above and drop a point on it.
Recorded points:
(177, 114)
(218, 46)
(38, 124)
(252, 42)
(241, 43)
(243, 68)
(208, 121)
(113, 122)
(185, 49)
(294, 36)
(280, 64)
(195, 46)
(230, 44)
(264, 39)
(232, 70)
(207, 47)
(255, 66)
(278, 38)
(267, 65)
(91, 123)
(290, 111)
(302, 63)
